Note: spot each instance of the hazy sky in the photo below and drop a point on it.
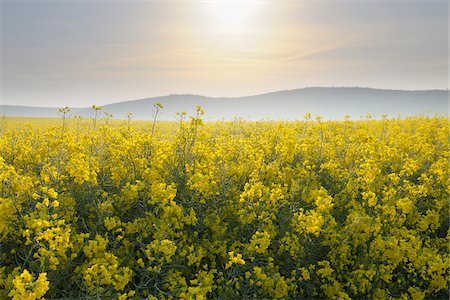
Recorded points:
(78, 53)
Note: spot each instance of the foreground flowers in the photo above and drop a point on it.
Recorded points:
(24, 286)
(338, 209)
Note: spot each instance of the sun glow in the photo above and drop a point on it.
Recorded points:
(233, 17)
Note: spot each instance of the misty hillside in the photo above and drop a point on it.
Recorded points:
(331, 103)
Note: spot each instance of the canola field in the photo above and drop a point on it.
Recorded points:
(226, 210)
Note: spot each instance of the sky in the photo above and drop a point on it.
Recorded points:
(79, 53)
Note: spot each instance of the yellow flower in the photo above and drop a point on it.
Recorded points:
(234, 259)
(26, 288)
(45, 202)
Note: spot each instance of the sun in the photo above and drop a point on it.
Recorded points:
(233, 17)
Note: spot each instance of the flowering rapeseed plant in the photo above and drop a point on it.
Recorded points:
(233, 210)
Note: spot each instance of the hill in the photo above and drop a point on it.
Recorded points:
(331, 103)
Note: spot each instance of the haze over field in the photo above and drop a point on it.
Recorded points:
(331, 103)
(79, 53)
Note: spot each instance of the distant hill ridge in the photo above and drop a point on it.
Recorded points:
(329, 102)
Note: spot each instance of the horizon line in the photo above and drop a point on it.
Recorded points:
(235, 97)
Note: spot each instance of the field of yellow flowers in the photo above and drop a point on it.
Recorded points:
(226, 210)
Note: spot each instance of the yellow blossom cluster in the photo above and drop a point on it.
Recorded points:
(226, 210)
(26, 288)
